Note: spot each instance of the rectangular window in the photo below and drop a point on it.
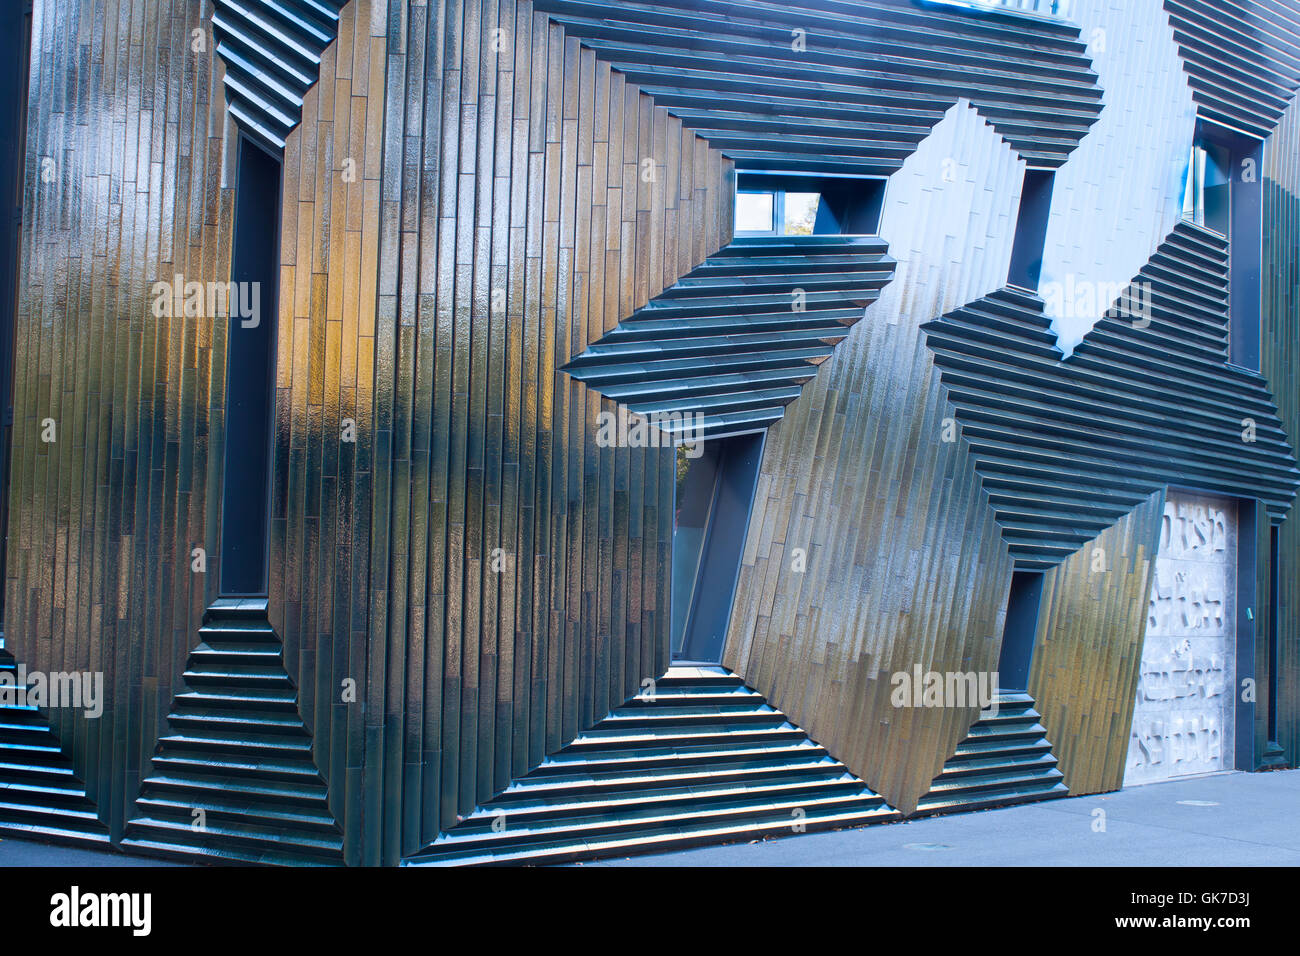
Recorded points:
(1021, 629)
(1207, 186)
(781, 204)
(715, 492)
(1031, 229)
(1245, 253)
(1223, 193)
(755, 213)
(250, 373)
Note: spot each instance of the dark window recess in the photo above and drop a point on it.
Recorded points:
(714, 495)
(250, 381)
(15, 47)
(1020, 630)
(1223, 192)
(1031, 230)
(800, 205)
(1245, 255)
(1274, 582)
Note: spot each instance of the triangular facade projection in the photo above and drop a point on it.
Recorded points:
(735, 339)
(272, 54)
(40, 793)
(1148, 399)
(703, 760)
(235, 779)
(848, 89)
(1242, 59)
(1006, 758)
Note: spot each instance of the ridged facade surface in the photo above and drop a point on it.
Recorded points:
(697, 757)
(734, 341)
(1005, 758)
(234, 779)
(271, 53)
(502, 220)
(41, 795)
(1280, 365)
(844, 86)
(1094, 609)
(1242, 57)
(1068, 447)
(532, 198)
(902, 563)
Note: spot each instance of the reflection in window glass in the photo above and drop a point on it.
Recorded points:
(802, 204)
(1208, 186)
(800, 213)
(1194, 191)
(754, 212)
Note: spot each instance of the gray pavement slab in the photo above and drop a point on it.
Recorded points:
(1228, 819)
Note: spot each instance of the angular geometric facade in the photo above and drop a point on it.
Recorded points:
(950, 313)
(1132, 410)
(724, 344)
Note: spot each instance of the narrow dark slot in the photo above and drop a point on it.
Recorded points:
(1274, 583)
(1245, 215)
(250, 377)
(1020, 629)
(1031, 229)
(714, 496)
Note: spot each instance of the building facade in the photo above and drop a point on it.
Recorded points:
(459, 431)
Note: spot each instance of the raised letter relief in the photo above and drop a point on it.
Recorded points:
(1183, 721)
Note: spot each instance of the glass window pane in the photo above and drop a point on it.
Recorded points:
(1194, 195)
(800, 213)
(754, 212)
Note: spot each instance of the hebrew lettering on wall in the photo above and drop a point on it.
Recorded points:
(1183, 721)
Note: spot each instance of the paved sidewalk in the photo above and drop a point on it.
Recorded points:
(1228, 819)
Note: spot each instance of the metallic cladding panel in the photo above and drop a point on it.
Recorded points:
(902, 563)
(103, 519)
(326, 367)
(1242, 58)
(1088, 650)
(1280, 366)
(844, 87)
(1066, 447)
(479, 170)
(519, 571)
